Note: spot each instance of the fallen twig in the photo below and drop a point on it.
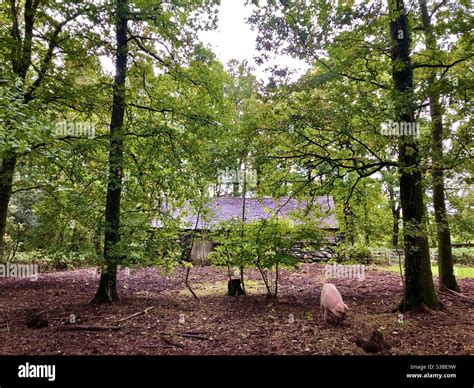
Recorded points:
(189, 335)
(454, 293)
(135, 315)
(87, 328)
(12, 321)
(170, 342)
(195, 336)
(460, 295)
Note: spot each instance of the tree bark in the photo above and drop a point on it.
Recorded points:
(20, 62)
(107, 291)
(366, 225)
(447, 279)
(419, 293)
(395, 216)
(244, 194)
(7, 170)
(349, 224)
(396, 227)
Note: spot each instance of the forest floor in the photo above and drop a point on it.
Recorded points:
(223, 325)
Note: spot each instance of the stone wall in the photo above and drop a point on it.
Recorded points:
(321, 255)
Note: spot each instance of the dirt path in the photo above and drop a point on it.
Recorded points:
(219, 324)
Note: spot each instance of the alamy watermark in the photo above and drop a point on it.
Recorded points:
(13, 270)
(291, 319)
(77, 129)
(37, 371)
(356, 271)
(229, 176)
(402, 128)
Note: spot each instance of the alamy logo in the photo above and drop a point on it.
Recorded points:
(229, 176)
(12, 270)
(391, 128)
(345, 271)
(37, 371)
(77, 129)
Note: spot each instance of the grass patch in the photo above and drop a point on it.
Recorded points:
(459, 272)
(220, 288)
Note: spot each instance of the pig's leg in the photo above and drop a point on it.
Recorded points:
(325, 314)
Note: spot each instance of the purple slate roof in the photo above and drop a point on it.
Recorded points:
(227, 208)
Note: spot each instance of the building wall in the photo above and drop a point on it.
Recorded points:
(202, 247)
(200, 251)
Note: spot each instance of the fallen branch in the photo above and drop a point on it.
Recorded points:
(195, 336)
(87, 328)
(144, 312)
(170, 342)
(454, 293)
(189, 335)
(45, 311)
(459, 294)
(11, 322)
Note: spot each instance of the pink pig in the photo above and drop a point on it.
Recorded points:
(331, 300)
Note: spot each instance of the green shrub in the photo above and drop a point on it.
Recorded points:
(464, 256)
(359, 253)
(57, 260)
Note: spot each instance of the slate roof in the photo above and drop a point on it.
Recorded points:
(227, 208)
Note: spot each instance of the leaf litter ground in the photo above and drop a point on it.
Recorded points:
(223, 325)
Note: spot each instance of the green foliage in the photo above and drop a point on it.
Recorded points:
(360, 253)
(265, 244)
(57, 260)
(162, 248)
(462, 218)
(460, 272)
(464, 256)
(188, 117)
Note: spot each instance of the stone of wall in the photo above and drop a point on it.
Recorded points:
(322, 254)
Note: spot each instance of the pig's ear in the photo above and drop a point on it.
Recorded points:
(347, 308)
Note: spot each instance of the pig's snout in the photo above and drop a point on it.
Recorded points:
(340, 311)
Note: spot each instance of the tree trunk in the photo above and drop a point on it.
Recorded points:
(419, 291)
(447, 279)
(366, 225)
(349, 224)
(445, 255)
(395, 216)
(107, 291)
(7, 170)
(20, 62)
(244, 194)
(396, 227)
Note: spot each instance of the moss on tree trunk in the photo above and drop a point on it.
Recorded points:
(419, 291)
(107, 291)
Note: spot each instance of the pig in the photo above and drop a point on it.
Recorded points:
(331, 300)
